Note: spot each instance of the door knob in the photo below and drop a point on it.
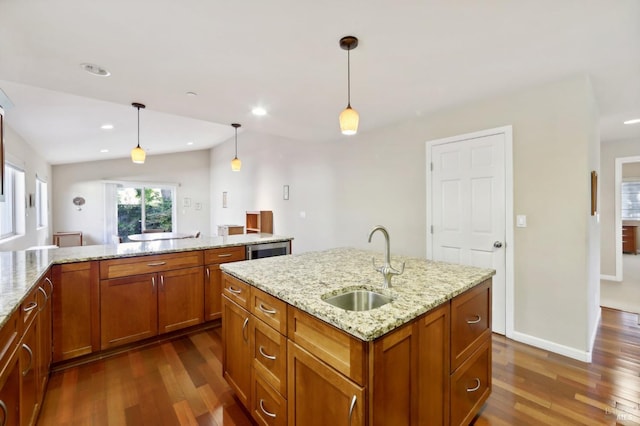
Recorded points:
(497, 244)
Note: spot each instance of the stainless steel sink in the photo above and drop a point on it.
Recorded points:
(358, 300)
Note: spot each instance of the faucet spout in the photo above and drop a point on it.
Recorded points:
(386, 270)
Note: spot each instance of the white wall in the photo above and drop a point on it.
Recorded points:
(20, 153)
(190, 170)
(609, 152)
(350, 184)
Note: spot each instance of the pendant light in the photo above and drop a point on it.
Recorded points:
(349, 117)
(137, 154)
(236, 164)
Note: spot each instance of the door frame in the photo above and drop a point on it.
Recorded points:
(618, 219)
(507, 131)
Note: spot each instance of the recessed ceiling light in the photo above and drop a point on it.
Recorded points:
(104, 150)
(107, 126)
(95, 70)
(189, 143)
(259, 111)
(634, 121)
(192, 94)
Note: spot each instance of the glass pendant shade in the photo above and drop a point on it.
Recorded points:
(236, 164)
(349, 121)
(138, 155)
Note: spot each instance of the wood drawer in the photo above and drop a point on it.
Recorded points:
(128, 266)
(236, 290)
(269, 407)
(224, 255)
(471, 385)
(335, 347)
(270, 356)
(29, 308)
(9, 336)
(269, 309)
(470, 322)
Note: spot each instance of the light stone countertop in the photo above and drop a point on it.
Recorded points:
(304, 280)
(21, 270)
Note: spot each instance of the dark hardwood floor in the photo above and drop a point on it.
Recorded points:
(180, 383)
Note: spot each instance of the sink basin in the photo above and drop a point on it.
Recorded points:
(358, 300)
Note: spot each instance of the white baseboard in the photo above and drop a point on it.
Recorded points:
(610, 278)
(552, 346)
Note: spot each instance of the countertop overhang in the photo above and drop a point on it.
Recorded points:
(303, 280)
(21, 270)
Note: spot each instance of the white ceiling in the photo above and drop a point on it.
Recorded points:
(414, 57)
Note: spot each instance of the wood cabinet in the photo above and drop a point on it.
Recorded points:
(45, 334)
(260, 221)
(629, 239)
(236, 355)
(136, 303)
(10, 336)
(213, 258)
(28, 373)
(76, 310)
(434, 370)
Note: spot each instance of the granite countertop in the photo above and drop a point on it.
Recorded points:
(303, 281)
(21, 270)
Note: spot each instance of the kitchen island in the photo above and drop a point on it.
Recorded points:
(292, 358)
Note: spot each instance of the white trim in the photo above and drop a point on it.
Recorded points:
(609, 278)
(618, 213)
(507, 131)
(584, 356)
(594, 334)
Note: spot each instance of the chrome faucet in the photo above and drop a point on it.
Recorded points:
(386, 270)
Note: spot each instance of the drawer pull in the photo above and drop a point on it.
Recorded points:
(475, 321)
(225, 255)
(5, 413)
(30, 352)
(161, 282)
(30, 307)
(233, 290)
(46, 298)
(244, 326)
(273, 415)
(267, 311)
(208, 274)
(50, 283)
(156, 263)
(153, 283)
(267, 356)
(476, 387)
(353, 404)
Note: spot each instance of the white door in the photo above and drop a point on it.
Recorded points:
(468, 209)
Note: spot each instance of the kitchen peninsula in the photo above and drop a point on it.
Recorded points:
(57, 305)
(292, 358)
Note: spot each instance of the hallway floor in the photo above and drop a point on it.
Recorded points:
(625, 295)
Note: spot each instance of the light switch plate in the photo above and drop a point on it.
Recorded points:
(521, 221)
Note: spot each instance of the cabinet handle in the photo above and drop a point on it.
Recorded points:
(475, 321)
(233, 290)
(30, 307)
(50, 284)
(267, 311)
(244, 325)
(46, 298)
(476, 387)
(153, 283)
(5, 413)
(353, 404)
(225, 255)
(273, 415)
(261, 350)
(162, 282)
(208, 274)
(156, 263)
(28, 349)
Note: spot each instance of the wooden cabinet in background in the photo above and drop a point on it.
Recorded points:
(259, 222)
(180, 299)
(629, 239)
(76, 310)
(213, 278)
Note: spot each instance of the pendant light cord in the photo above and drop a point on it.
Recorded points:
(138, 127)
(349, 78)
(236, 142)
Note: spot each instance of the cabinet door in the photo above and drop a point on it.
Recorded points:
(76, 318)
(45, 291)
(128, 309)
(319, 395)
(236, 355)
(10, 392)
(180, 299)
(28, 379)
(213, 293)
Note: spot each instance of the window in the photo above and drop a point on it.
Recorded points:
(631, 200)
(42, 204)
(153, 211)
(12, 210)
